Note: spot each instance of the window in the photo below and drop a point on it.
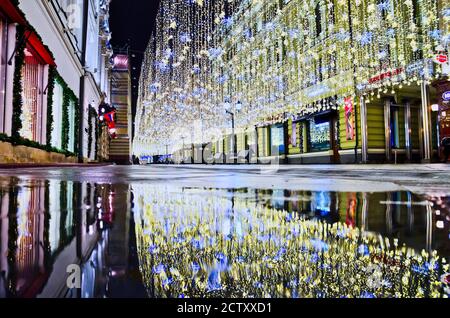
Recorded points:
(416, 13)
(395, 128)
(318, 20)
(3, 66)
(72, 126)
(277, 140)
(70, 13)
(32, 110)
(320, 134)
(57, 116)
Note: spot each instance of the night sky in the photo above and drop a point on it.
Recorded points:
(131, 23)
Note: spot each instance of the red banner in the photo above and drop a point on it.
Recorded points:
(349, 118)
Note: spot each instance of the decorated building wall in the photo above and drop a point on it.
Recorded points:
(41, 84)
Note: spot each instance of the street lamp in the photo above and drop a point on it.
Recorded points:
(238, 107)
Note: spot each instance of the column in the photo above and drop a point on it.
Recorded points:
(408, 139)
(426, 123)
(365, 213)
(387, 126)
(256, 145)
(429, 237)
(364, 130)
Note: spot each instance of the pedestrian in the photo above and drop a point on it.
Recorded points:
(446, 145)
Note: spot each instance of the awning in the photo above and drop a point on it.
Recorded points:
(39, 48)
(15, 15)
(11, 12)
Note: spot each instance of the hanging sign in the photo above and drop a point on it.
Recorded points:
(386, 75)
(441, 58)
(446, 96)
(349, 118)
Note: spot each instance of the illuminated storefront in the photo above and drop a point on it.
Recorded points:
(35, 73)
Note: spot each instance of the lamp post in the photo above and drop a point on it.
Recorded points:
(238, 107)
(183, 153)
(82, 91)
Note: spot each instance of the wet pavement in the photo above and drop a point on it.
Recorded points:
(225, 231)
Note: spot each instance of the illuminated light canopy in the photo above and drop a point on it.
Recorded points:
(276, 60)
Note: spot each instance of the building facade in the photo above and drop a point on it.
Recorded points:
(335, 81)
(44, 72)
(119, 150)
(321, 81)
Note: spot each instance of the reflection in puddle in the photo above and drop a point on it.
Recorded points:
(48, 226)
(145, 240)
(219, 243)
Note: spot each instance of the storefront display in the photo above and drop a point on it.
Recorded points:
(320, 135)
(33, 85)
(277, 139)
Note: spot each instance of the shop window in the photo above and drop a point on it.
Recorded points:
(3, 65)
(32, 96)
(395, 129)
(71, 126)
(319, 135)
(57, 116)
(277, 139)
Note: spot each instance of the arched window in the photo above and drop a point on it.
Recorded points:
(416, 13)
(332, 12)
(318, 13)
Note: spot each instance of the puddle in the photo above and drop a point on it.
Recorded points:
(153, 240)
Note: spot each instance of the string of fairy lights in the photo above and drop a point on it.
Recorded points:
(277, 59)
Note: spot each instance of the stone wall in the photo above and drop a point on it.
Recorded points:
(23, 154)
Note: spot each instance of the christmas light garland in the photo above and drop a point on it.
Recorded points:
(278, 60)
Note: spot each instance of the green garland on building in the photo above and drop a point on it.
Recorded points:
(17, 83)
(69, 98)
(50, 92)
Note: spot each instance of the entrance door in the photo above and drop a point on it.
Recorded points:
(402, 130)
